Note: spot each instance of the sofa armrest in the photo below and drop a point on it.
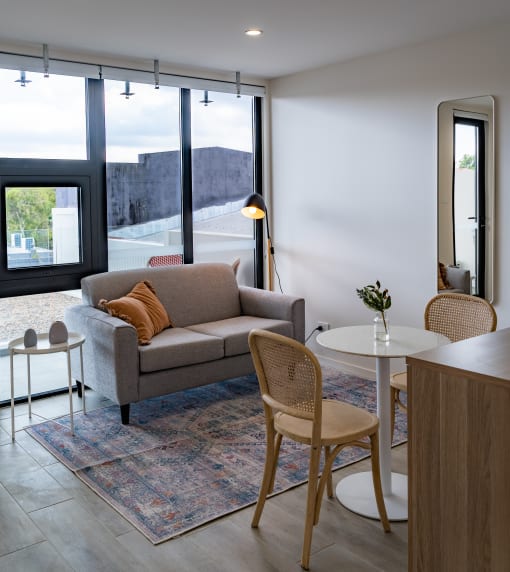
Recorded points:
(110, 353)
(267, 304)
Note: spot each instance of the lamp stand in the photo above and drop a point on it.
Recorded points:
(269, 264)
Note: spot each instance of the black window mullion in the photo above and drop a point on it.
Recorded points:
(481, 207)
(96, 146)
(257, 188)
(186, 176)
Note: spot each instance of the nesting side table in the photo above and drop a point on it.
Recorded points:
(43, 346)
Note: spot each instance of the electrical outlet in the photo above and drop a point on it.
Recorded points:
(323, 325)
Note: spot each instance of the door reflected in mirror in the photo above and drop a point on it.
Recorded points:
(466, 196)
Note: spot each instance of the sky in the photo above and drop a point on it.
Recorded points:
(45, 119)
(465, 141)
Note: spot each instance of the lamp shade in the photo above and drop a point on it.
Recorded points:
(254, 207)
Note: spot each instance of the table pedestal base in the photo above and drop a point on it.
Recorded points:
(356, 492)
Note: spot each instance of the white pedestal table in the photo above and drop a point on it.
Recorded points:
(356, 491)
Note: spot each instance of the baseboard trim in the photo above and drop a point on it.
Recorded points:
(349, 368)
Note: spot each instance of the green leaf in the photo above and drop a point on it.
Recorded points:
(373, 298)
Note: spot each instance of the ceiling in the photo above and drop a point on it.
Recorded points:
(208, 34)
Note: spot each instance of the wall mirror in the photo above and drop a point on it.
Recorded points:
(466, 195)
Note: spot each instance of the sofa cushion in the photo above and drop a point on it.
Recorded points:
(178, 347)
(140, 308)
(234, 331)
(190, 293)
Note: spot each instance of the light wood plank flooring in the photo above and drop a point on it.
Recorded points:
(51, 521)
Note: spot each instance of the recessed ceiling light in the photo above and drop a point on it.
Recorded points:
(253, 32)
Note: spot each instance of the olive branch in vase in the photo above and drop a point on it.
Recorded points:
(376, 299)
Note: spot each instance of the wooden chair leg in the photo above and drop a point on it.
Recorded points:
(272, 446)
(311, 502)
(327, 453)
(275, 461)
(376, 476)
(325, 478)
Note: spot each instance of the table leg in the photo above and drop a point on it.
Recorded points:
(29, 388)
(13, 431)
(82, 380)
(356, 491)
(382, 366)
(68, 352)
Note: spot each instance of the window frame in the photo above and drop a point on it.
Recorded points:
(90, 175)
(480, 126)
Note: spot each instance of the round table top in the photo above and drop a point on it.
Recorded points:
(43, 346)
(359, 340)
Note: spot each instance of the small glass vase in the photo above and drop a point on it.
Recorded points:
(382, 327)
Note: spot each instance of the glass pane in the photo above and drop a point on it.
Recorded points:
(222, 158)
(38, 311)
(143, 174)
(43, 227)
(465, 202)
(43, 119)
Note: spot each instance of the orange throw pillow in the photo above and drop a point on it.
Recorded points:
(142, 309)
(442, 282)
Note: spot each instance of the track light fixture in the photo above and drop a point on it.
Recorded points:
(238, 83)
(23, 79)
(46, 61)
(206, 101)
(127, 92)
(156, 74)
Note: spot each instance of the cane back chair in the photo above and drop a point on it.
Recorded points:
(290, 380)
(456, 316)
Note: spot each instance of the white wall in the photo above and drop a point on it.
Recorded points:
(353, 195)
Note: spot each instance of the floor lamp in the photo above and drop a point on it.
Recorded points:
(255, 208)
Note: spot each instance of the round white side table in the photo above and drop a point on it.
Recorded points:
(43, 346)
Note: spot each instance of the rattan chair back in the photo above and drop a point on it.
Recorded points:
(289, 374)
(459, 316)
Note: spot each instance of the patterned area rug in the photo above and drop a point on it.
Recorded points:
(190, 457)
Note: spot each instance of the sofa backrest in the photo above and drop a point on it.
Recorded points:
(190, 293)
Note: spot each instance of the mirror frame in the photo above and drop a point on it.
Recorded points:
(445, 115)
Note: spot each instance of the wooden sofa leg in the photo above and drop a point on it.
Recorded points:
(124, 414)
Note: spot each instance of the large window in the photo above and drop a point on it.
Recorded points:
(99, 174)
(222, 175)
(52, 223)
(102, 174)
(143, 174)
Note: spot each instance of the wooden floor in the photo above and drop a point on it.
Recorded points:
(51, 521)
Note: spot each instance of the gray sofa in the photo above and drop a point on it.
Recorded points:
(212, 317)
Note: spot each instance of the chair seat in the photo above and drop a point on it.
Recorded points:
(399, 381)
(341, 423)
